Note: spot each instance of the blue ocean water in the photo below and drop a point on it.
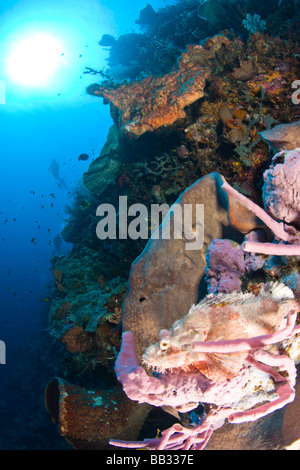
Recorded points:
(38, 124)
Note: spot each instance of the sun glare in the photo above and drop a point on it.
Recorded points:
(34, 59)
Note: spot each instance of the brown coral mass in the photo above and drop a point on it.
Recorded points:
(154, 102)
(88, 418)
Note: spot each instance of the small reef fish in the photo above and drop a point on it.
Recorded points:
(83, 157)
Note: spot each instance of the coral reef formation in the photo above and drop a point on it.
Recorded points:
(197, 354)
(197, 127)
(154, 102)
(244, 94)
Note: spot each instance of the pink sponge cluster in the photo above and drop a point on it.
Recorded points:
(281, 189)
(227, 263)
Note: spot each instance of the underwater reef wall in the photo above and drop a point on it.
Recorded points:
(154, 102)
(198, 361)
(203, 133)
(241, 90)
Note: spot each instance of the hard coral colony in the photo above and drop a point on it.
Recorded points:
(211, 336)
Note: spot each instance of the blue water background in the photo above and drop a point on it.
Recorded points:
(37, 125)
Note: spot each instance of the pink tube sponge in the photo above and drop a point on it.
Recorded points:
(281, 189)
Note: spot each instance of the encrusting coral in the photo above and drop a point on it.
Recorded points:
(156, 102)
